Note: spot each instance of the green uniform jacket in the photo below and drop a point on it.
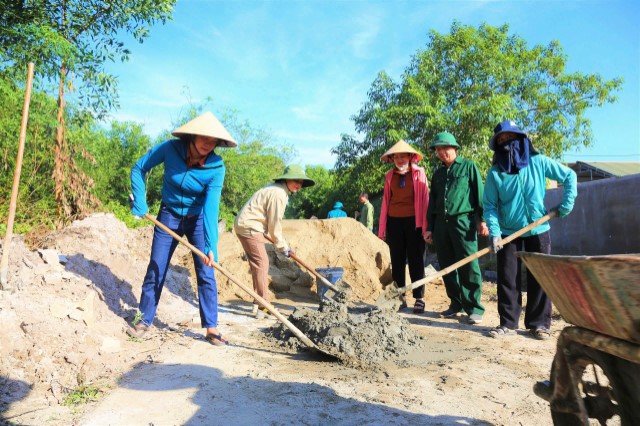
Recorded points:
(366, 215)
(455, 190)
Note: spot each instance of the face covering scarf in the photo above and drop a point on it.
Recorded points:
(513, 155)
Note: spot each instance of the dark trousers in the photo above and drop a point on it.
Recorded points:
(538, 310)
(456, 238)
(406, 245)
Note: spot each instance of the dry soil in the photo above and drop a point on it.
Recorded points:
(62, 332)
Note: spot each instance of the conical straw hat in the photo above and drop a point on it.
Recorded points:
(207, 125)
(399, 147)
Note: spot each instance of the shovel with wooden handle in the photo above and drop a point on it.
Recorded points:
(313, 271)
(304, 339)
(391, 294)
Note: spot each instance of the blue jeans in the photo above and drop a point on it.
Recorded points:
(161, 251)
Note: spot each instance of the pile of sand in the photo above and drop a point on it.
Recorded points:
(342, 243)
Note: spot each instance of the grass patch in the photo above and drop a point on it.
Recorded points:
(82, 395)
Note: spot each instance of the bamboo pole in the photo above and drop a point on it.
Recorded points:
(4, 263)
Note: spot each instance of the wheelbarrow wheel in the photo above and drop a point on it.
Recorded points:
(607, 387)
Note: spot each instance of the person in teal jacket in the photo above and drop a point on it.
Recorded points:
(337, 211)
(513, 198)
(191, 188)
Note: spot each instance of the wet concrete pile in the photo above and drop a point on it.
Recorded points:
(362, 336)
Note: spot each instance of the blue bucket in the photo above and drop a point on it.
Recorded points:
(332, 275)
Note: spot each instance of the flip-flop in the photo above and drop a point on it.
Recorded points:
(138, 330)
(540, 333)
(501, 331)
(216, 339)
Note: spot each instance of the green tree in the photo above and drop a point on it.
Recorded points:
(35, 202)
(250, 166)
(315, 200)
(113, 151)
(466, 82)
(75, 38)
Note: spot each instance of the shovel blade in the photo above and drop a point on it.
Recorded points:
(389, 299)
(390, 296)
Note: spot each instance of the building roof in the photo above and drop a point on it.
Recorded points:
(592, 170)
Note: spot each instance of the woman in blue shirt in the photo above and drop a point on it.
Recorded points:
(514, 198)
(191, 188)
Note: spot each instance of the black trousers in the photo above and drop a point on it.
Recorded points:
(406, 245)
(538, 310)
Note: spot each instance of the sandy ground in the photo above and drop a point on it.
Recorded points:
(463, 378)
(63, 329)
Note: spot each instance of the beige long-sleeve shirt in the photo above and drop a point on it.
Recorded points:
(263, 213)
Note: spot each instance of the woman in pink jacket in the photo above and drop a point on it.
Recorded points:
(403, 221)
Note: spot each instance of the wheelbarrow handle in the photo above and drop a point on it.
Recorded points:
(307, 267)
(246, 289)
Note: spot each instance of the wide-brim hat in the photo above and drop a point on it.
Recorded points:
(444, 139)
(207, 125)
(338, 205)
(295, 172)
(504, 127)
(400, 147)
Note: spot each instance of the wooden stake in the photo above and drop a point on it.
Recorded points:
(4, 264)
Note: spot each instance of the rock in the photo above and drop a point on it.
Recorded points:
(49, 256)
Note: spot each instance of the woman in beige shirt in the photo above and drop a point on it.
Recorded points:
(262, 214)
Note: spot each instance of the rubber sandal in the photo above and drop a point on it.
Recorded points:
(138, 331)
(540, 333)
(216, 339)
(418, 307)
(501, 331)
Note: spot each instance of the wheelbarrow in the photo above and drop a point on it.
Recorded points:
(595, 372)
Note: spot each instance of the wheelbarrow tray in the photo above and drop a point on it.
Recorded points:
(599, 293)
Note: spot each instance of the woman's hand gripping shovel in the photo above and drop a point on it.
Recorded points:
(389, 298)
(272, 309)
(344, 288)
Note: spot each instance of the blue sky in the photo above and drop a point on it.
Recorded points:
(301, 69)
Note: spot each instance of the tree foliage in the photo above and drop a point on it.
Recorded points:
(70, 41)
(466, 82)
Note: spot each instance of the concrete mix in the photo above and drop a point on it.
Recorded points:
(362, 336)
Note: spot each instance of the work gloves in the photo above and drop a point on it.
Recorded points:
(496, 245)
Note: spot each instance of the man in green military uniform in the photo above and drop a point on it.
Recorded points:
(366, 213)
(454, 221)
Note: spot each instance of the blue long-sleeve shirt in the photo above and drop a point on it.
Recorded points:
(513, 201)
(186, 191)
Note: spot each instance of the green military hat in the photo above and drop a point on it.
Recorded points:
(296, 172)
(444, 139)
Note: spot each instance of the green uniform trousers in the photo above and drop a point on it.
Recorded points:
(455, 238)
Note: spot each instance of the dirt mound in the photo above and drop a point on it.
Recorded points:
(62, 326)
(324, 243)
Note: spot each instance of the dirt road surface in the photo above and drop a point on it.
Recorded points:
(63, 329)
